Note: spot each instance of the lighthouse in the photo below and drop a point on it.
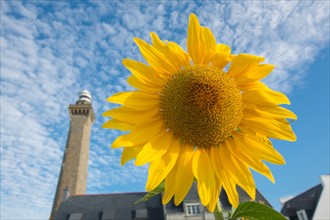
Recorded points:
(74, 169)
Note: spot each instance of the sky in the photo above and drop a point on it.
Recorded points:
(51, 50)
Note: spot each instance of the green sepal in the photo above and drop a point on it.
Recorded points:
(218, 215)
(156, 191)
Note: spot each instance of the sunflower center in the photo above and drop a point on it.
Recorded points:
(201, 105)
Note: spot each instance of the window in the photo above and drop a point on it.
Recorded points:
(75, 216)
(302, 215)
(141, 214)
(108, 215)
(193, 209)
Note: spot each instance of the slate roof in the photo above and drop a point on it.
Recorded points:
(120, 206)
(115, 206)
(306, 201)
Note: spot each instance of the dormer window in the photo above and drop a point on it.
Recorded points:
(193, 208)
(75, 216)
(141, 214)
(302, 215)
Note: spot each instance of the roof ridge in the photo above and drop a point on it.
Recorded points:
(102, 194)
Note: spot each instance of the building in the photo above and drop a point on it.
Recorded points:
(71, 202)
(74, 170)
(312, 204)
(110, 207)
(120, 206)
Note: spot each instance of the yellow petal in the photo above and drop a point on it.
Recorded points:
(201, 45)
(264, 94)
(195, 41)
(159, 169)
(269, 127)
(145, 74)
(223, 48)
(119, 125)
(184, 172)
(140, 134)
(243, 63)
(219, 168)
(249, 187)
(134, 81)
(181, 55)
(172, 51)
(135, 100)
(203, 171)
(209, 44)
(155, 58)
(217, 188)
(157, 43)
(258, 149)
(155, 148)
(254, 74)
(215, 196)
(265, 97)
(170, 185)
(131, 115)
(230, 187)
(238, 171)
(256, 165)
(216, 160)
(269, 111)
(222, 56)
(129, 153)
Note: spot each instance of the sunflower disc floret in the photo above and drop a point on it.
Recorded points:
(201, 105)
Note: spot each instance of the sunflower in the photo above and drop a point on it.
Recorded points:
(192, 119)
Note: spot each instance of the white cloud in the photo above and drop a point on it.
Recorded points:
(51, 50)
(285, 199)
(288, 34)
(29, 159)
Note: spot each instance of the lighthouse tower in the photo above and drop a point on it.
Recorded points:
(73, 175)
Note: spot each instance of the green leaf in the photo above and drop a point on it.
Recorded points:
(156, 191)
(256, 211)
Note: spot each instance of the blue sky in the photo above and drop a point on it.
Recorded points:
(52, 50)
